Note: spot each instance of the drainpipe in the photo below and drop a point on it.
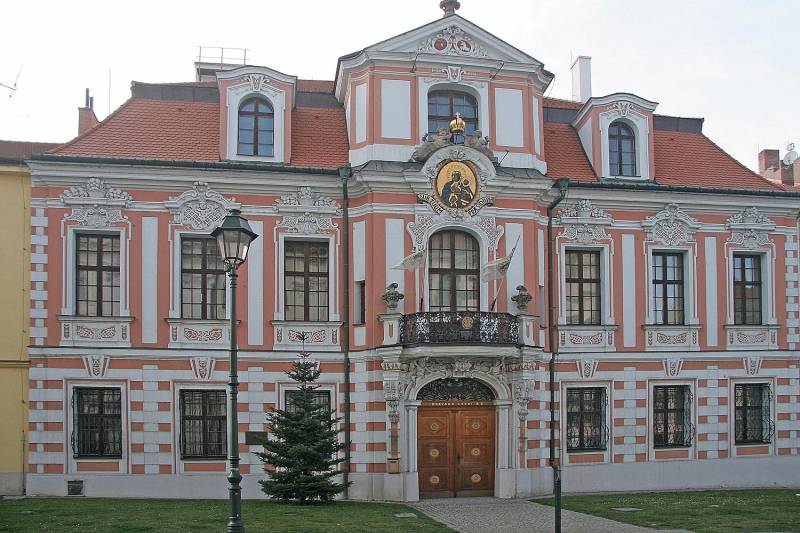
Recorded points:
(345, 173)
(562, 185)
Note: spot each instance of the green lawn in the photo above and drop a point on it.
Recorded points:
(37, 515)
(711, 511)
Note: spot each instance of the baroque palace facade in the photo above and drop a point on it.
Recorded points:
(402, 214)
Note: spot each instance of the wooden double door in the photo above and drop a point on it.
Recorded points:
(455, 451)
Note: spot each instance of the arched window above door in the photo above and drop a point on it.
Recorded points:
(453, 271)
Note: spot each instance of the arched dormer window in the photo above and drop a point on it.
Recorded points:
(256, 128)
(454, 271)
(443, 106)
(621, 149)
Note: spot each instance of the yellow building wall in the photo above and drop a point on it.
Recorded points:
(15, 218)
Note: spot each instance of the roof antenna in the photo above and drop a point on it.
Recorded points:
(12, 88)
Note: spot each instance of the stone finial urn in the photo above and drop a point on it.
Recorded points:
(522, 298)
(392, 297)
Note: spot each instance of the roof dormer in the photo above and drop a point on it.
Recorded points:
(616, 132)
(255, 114)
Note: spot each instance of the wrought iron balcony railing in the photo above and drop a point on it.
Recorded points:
(459, 327)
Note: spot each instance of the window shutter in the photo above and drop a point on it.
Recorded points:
(688, 426)
(767, 425)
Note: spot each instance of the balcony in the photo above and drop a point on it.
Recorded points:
(459, 327)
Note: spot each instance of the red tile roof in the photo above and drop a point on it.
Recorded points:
(561, 104)
(21, 150)
(564, 154)
(319, 137)
(315, 86)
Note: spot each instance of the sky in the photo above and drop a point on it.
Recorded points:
(731, 62)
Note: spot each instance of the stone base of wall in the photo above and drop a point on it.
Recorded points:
(11, 484)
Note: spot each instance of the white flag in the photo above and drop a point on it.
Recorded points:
(413, 261)
(499, 267)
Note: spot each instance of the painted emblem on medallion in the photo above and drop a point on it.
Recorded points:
(456, 185)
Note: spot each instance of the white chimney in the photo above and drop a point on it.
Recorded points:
(582, 79)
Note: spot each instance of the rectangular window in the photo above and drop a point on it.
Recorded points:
(360, 310)
(306, 281)
(203, 423)
(753, 422)
(583, 287)
(586, 427)
(747, 289)
(97, 428)
(668, 299)
(672, 425)
(97, 279)
(319, 397)
(202, 279)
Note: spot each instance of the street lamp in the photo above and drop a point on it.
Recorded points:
(233, 237)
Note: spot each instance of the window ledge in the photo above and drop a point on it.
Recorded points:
(593, 338)
(748, 337)
(668, 337)
(100, 331)
(197, 333)
(320, 336)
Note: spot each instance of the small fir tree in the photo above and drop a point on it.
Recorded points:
(301, 452)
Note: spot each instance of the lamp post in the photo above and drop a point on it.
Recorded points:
(233, 237)
(561, 186)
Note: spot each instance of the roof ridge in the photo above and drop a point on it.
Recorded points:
(742, 165)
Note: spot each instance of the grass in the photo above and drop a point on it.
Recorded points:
(711, 511)
(31, 515)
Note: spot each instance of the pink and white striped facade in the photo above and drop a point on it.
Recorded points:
(151, 353)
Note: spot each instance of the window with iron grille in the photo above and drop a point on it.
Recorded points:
(97, 275)
(752, 412)
(203, 423)
(202, 279)
(747, 289)
(583, 287)
(306, 281)
(97, 430)
(586, 419)
(320, 398)
(256, 128)
(668, 299)
(622, 149)
(672, 411)
(454, 271)
(443, 106)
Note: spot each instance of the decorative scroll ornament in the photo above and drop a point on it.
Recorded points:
(459, 389)
(584, 223)
(621, 108)
(418, 369)
(750, 229)
(391, 392)
(203, 367)
(96, 205)
(200, 208)
(307, 212)
(587, 368)
(96, 365)
(750, 217)
(425, 225)
(260, 83)
(752, 365)
(452, 41)
(671, 226)
(453, 73)
(673, 367)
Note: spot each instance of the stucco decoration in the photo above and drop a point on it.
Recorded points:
(307, 212)
(584, 223)
(96, 365)
(587, 367)
(750, 229)
(622, 109)
(95, 204)
(418, 369)
(203, 367)
(260, 83)
(673, 367)
(670, 226)
(452, 41)
(752, 365)
(425, 225)
(200, 208)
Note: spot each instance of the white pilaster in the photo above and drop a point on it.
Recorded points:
(255, 287)
(150, 279)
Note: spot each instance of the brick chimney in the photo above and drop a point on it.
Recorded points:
(86, 117)
(772, 167)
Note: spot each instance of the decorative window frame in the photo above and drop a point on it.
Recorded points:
(454, 82)
(632, 115)
(72, 462)
(178, 386)
(751, 380)
(651, 449)
(564, 386)
(255, 85)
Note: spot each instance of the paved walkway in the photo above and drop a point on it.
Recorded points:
(485, 515)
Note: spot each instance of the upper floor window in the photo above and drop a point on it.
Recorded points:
(202, 279)
(306, 280)
(583, 287)
(98, 422)
(454, 271)
(203, 423)
(443, 106)
(256, 128)
(747, 289)
(668, 288)
(621, 149)
(98, 279)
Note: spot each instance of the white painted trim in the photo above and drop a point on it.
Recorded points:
(629, 325)
(516, 270)
(177, 387)
(509, 123)
(176, 235)
(277, 99)
(712, 304)
(767, 282)
(71, 463)
(771, 382)
(362, 103)
(255, 287)
(395, 109)
(689, 256)
(359, 250)
(651, 449)
(606, 283)
(478, 89)
(333, 258)
(395, 251)
(536, 126)
(603, 384)
(381, 152)
(483, 245)
(641, 130)
(150, 241)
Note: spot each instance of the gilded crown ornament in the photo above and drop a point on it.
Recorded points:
(457, 125)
